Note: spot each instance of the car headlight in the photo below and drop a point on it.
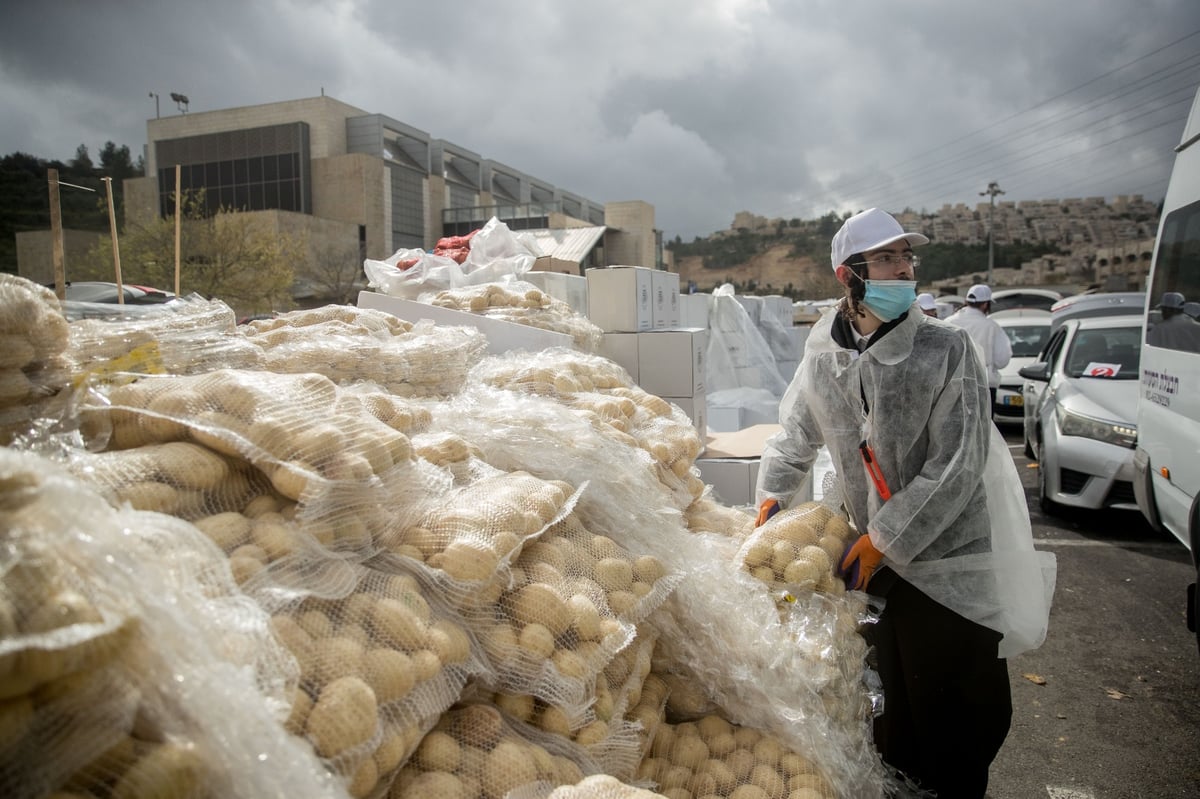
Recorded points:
(1074, 424)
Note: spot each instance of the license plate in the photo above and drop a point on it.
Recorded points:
(1014, 399)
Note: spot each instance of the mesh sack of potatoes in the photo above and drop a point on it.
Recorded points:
(477, 752)
(612, 737)
(571, 604)
(462, 540)
(648, 712)
(405, 359)
(33, 338)
(602, 392)
(132, 665)
(798, 674)
(366, 321)
(711, 757)
(189, 336)
(707, 515)
(181, 478)
(380, 659)
(524, 304)
(316, 444)
(597, 786)
(798, 549)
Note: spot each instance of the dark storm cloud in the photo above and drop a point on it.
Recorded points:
(702, 108)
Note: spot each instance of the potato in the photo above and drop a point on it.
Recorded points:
(399, 625)
(469, 561)
(166, 772)
(227, 530)
(389, 673)
(614, 574)
(345, 715)
(536, 640)
(585, 618)
(540, 603)
(508, 766)
(438, 752)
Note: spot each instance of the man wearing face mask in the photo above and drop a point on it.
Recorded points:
(902, 404)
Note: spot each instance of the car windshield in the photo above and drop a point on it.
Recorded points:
(1027, 340)
(1105, 353)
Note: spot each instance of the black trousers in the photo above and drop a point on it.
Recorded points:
(947, 704)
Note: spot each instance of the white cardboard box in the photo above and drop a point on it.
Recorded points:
(696, 409)
(726, 420)
(622, 349)
(619, 298)
(671, 363)
(502, 336)
(665, 299)
(733, 480)
(693, 310)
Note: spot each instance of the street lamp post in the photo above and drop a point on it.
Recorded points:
(992, 190)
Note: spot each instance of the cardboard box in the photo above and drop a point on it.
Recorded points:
(693, 310)
(753, 306)
(779, 308)
(619, 298)
(671, 363)
(726, 420)
(731, 460)
(733, 480)
(502, 336)
(622, 349)
(664, 299)
(697, 410)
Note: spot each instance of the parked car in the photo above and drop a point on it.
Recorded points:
(1028, 330)
(1100, 303)
(1080, 424)
(97, 299)
(1008, 299)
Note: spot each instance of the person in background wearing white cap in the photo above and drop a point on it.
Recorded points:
(994, 347)
(1177, 330)
(928, 304)
(880, 380)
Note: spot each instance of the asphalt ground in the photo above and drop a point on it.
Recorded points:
(1109, 706)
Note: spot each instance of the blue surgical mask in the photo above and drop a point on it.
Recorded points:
(889, 299)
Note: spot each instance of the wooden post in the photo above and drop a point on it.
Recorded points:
(178, 221)
(56, 236)
(112, 226)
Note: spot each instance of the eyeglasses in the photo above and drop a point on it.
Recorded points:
(891, 259)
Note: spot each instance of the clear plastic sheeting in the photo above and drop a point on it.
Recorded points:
(133, 665)
(716, 608)
(188, 336)
(525, 304)
(405, 359)
(738, 355)
(496, 255)
(33, 366)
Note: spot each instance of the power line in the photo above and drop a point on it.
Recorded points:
(1094, 116)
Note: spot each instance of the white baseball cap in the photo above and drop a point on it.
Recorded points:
(869, 230)
(979, 293)
(926, 301)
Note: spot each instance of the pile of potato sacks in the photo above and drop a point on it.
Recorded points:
(453, 576)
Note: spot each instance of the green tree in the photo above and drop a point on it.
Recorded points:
(116, 163)
(230, 256)
(82, 162)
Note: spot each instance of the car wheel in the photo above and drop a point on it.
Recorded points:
(1028, 448)
(1048, 506)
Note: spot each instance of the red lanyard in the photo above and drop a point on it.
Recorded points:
(873, 470)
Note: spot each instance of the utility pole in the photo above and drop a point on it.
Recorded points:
(992, 190)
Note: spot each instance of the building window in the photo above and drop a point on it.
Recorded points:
(248, 170)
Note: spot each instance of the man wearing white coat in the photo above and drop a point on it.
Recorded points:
(994, 347)
(900, 400)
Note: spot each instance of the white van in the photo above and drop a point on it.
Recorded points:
(1167, 459)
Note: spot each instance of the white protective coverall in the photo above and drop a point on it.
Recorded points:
(957, 526)
(994, 346)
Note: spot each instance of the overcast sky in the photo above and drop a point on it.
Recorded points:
(701, 107)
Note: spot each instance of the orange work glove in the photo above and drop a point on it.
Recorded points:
(859, 562)
(766, 510)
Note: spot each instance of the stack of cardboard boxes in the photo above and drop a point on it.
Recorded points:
(639, 311)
